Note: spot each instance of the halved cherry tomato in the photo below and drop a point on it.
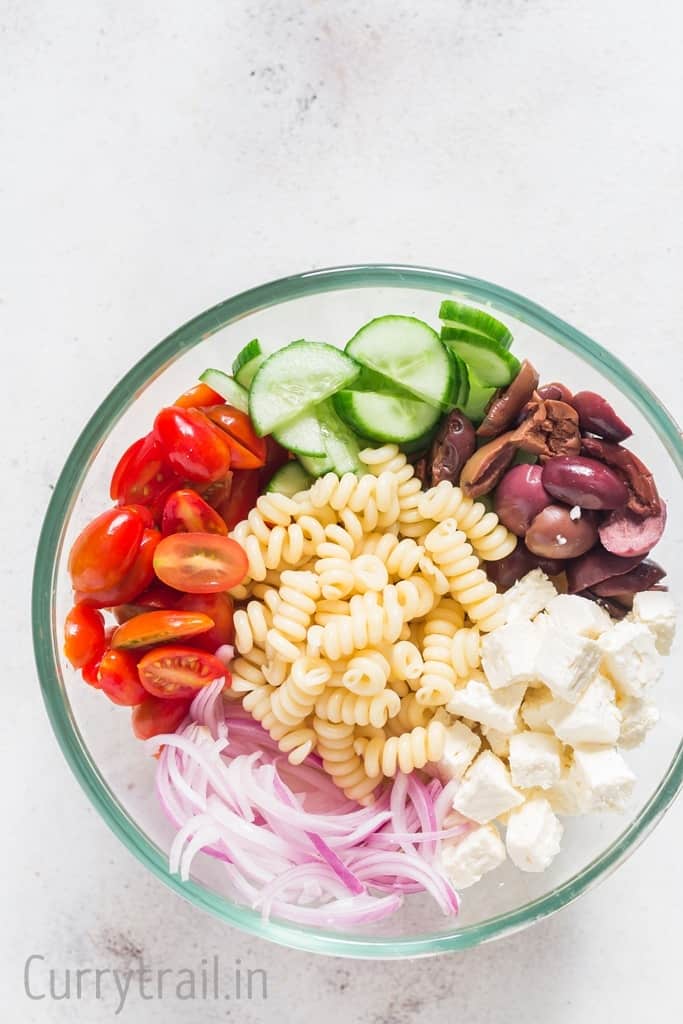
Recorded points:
(193, 446)
(143, 475)
(219, 608)
(137, 579)
(247, 450)
(90, 674)
(200, 563)
(179, 671)
(237, 501)
(83, 636)
(186, 512)
(106, 549)
(157, 597)
(198, 397)
(154, 716)
(118, 677)
(276, 456)
(159, 627)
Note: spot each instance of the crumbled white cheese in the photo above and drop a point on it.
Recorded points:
(605, 778)
(656, 610)
(537, 709)
(638, 716)
(567, 797)
(535, 760)
(533, 835)
(508, 654)
(486, 791)
(630, 657)
(499, 742)
(528, 596)
(462, 746)
(467, 860)
(595, 718)
(566, 663)
(578, 615)
(497, 708)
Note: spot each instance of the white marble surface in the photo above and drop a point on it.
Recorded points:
(157, 160)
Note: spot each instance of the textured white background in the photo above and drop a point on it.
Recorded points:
(157, 158)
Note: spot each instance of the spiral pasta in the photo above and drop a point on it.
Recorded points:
(251, 626)
(335, 744)
(406, 661)
(487, 535)
(468, 583)
(367, 673)
(296, 741)
(387, 755)
(389, 459)
(437, 682)
(466, 652)
(410, 715)
(401, 557)
(295, 698)
(337, 704)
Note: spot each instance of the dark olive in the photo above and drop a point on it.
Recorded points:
(584, 482)
(554, 534)
(597, 565)
(644, 576)
(507, 571)
(453, 445)
(596, 416)
(555, 391)
(626, 534)
(520, 496)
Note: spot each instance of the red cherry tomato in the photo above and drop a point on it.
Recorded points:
(143, 475)
(237, 502)
(200, 563)
(193, 446)
(118, 677)
(198, 397)
(247, 450)
(83, 636)
(159, 627)
(219, 608)
(132, 584)
(154, 716)
(186, 512)
(276, 456)
(179, 671)
(157, 597)
(90, 674)
(106, 549)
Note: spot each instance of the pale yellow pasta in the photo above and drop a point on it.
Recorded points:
(295, 699)
(369, 573)
(337, 704)
(406, 661)
(389, 459)
(468, 583)
(251, 626)
(488, 537)
(466, 652)
(276, 508)
(296, 741)
(386, 756)
(247, 670)
(335, 745)
(401, 557)
(410, 715)
(434, 576)
(367, 673)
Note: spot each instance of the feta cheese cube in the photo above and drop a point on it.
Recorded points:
(508, 654)
(499, 742)
(537, 709)
(533, 835)
(462, 746)
(605, 778)
(497, 708)
(638, 716)
(567, 797)
(466, 861)
(595, 718)
(630, 657)
(578, 615)
(566, 663)
(486, 790)
(528, 596)
(656, 610)
(535, 760)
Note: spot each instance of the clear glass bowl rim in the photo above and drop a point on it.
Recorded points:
(45, 633)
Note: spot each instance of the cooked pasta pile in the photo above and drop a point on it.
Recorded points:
(362, 609)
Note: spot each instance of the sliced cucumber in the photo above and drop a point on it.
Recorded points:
(486, 357)
(316, 467)
(295, 378)
(461, 383)
(383, 417)
(409, 354)
(247, 362)
(341, 443)
(478, 399)
(458, 316)
(302, 435)
(233, 393)
(290, 479)
(420, 444)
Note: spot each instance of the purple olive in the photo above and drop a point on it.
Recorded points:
(597, 565)
(644, 576)
(616, 609)
(596, 416)
(506, 571)
(624, 533)
(519, 497)
(556, 392)
(584, 482)
(554, 534)
(452, 447)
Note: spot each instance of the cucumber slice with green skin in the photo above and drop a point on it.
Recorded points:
(450, 334)
(369, 380)
(316, 467)
(247, 363)
(233, 393)
(302, 435)
(341, 443)
(295, 378)
(493, 365)
(383, 417)
(458, 316)
(478, 399)
(409, 354)
(290, 479)
(420, 444)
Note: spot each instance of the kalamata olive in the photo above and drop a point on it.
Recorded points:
(507, 571)
(596, 416)
(614, 608)
(644, 498)
(626, 534)
(644, 576)
(452, 447)
(519, 497)
(597, 565)
(554, 534)
(551, 566)
(555, 391)
(584, 482)
(505, 407)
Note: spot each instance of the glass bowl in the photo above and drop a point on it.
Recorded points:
(95, 736)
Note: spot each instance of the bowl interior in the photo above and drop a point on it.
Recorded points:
(95, 735)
